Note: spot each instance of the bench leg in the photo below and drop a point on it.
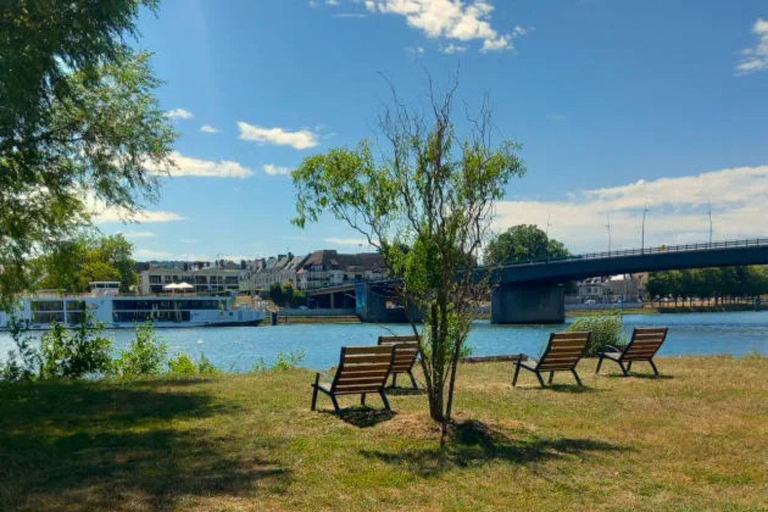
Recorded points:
(551, 376)
(362, 399)
(394, 380)
(629, 366)
(655, 370)
(599, 364)
(623, 369)
(336, 407)
(576, 376)
(517, 372)
(314, 391)
(384, 399)
(413, 380)
(541, 381)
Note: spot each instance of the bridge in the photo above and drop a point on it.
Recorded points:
(532, 292)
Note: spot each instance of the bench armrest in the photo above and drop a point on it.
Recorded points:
(612, 348)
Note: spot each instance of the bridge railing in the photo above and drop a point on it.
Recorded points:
(727, 244)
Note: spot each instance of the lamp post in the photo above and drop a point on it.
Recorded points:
(642, 231)
(608, 227)
(709, 212)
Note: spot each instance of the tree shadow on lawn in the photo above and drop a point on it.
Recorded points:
(473, 442)
(98, 446)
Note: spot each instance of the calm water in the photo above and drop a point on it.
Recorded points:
(238, 348)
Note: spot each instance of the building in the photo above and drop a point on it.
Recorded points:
(319, 269)
(327, 267)
(622, 287)
(205, 280)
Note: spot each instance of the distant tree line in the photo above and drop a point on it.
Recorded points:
(721, 285)
(72, 264)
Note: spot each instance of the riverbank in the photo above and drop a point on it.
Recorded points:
(694, 439)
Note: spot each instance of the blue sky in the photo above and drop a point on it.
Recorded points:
(617, 105)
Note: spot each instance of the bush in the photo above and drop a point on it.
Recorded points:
(184, 366)
(23, 362)
(285, 361)
(146, 355)
(77, 353)
(605, 329)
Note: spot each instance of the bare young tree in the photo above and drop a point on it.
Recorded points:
(426, 204)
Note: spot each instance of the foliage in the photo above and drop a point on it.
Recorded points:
(74, 263)
(287, 295)
(184, 366)
(276, 294)
(708, 283)
(426, 204)
(75, 353)
(285, 361)
(79, 124)
(22, 363)
(605, 329)
(523, 243)
(146, 355)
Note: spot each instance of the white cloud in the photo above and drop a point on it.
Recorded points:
(150, 254)
(453, 48)
(755, 59)
(347, 241)
(301, 139)
(139, 234)
(189, 166)
(276, 170)
(110, 215)
(415, 50)
(179, 113)
(451, 20)
(206, 128)
(678, 212)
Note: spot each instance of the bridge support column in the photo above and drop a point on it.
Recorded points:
(538, 303)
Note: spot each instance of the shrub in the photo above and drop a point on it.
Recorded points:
(22, 363)
(285, 361)
(77, 353)
(146, 355)
(605, 329)
(184, 366)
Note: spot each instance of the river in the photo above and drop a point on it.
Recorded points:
(238, 348)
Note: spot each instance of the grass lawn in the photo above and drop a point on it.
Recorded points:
(695, 439)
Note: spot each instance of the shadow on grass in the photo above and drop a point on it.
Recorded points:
(363, 416)
(473, 442)
(100, 446)
(634, 375)
(405, 391)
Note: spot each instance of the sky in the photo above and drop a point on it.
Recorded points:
(619, 107)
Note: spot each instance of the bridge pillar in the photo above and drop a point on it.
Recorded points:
(538, 303)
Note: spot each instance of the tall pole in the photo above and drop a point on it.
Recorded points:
(642, 235)
(548, 225)
(710, 223)
(608, 227)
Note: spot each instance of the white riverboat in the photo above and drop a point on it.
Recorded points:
(126, 311)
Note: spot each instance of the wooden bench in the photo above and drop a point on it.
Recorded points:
(406, 352)
(362, 370)
(563, 353)
(643, 346)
